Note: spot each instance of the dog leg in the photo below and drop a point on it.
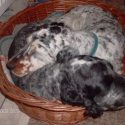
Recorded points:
(93, 111)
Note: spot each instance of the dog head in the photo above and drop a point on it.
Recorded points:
(42, 47)
(33, 56)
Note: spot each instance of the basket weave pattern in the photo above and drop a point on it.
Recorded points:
(37, 107)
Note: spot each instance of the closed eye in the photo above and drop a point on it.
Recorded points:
(39, 46)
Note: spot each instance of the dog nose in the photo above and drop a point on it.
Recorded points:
(10, 66)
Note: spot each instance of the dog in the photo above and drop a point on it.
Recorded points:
(80, 31)
(81, 80)
(49, 61)
(92, 83)
(44, 82)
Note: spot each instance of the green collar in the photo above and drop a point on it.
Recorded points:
(95, 45)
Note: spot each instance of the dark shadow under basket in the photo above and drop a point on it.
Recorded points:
(37, 107)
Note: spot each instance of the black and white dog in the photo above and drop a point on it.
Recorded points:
(82, 80)
(79, 31)
(92, 83)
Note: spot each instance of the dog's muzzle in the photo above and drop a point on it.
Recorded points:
(20, 63)
(20, 67)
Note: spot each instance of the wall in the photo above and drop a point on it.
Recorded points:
(4, 4)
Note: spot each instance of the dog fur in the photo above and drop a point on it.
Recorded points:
(82, 80)
(51, 62)
(92, 83)
(70, 35)
(44, 82)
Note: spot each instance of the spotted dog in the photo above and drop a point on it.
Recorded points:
(74, 33)
(44, 82)
(104, 25)
(81, 80)
(92, 83)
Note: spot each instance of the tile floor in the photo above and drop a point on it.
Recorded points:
(10, 114)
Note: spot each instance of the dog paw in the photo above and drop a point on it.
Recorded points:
(93, 111)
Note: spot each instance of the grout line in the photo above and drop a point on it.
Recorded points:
(2, 103)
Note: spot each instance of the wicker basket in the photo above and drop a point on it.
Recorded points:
(34, 106)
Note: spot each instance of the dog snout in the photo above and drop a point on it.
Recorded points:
(10, 66)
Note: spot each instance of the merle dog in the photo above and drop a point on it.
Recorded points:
(82, 80)
(92, 83)
(76, 32)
